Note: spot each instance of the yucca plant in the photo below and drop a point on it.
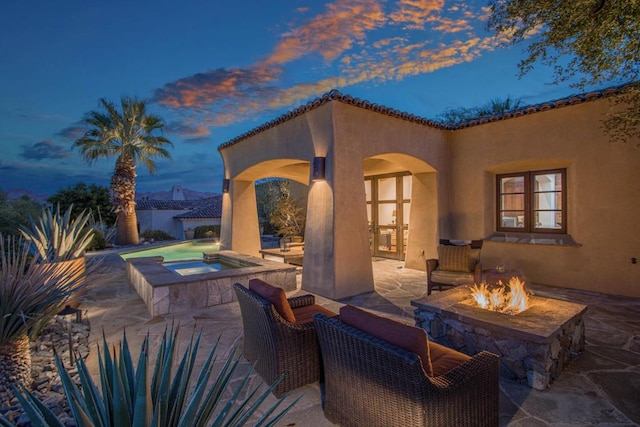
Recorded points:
(172, 396)
(31, 293)
(55, 237)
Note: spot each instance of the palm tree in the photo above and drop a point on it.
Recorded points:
(130, 136)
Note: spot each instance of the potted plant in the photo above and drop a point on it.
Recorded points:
(189, 233)
(31, 293)
(60, 239)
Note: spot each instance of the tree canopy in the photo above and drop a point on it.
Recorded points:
(459, 115)
(131, 134)
(90, 198)
(17, 212)
(587, 42)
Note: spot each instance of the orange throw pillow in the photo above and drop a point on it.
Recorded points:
(407, 337)
(275, 296)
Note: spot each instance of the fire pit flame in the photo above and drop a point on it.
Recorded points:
(511, 301)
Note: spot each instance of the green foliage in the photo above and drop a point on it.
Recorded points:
(98, 242)
(206, 231)
(169, 396)
(268, 192)
(132, 135)
(497, 106)
(91, 198)
(591, 42)
(157, 235)
(58, 237)
(288, 218)
(16, 213)
(32, 292)
(285, 216)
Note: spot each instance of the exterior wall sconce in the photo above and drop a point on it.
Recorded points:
(317, 169)
(225, 185)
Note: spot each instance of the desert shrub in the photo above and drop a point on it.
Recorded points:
(157, 235)
(206, 231)
(98, 243)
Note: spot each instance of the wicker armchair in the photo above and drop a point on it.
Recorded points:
(276, 345)
(370, 382)
(439, 278)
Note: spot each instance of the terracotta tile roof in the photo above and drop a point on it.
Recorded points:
(214, 204)
(211, 211)
(336, 95)
(167, 204)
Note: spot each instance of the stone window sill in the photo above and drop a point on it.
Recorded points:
(533, 239)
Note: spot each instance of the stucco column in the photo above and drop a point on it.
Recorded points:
(337, 261)
(240, 230)
(318, 271)
(423, 221)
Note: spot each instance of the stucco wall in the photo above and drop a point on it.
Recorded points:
(159, 219)
(603, 195)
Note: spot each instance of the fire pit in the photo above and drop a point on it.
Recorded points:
(534, 345)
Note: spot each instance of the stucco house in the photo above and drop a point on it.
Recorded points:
(543, 186)
(177, 215)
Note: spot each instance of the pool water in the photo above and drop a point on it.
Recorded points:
(188, 268)
(177, 251)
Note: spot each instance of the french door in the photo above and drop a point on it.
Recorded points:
(388, 206)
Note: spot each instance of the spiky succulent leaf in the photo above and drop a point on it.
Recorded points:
(32, 292)
(59, 237)
(123, 405)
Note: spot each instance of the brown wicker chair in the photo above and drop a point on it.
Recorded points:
(369, 382)
(438, 278)
(277, 346)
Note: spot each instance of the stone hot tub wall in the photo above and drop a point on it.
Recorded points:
(166, 292)
(534, 346)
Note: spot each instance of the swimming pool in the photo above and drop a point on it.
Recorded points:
(176, 251)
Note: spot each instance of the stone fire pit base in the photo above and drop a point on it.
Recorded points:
(534, 346)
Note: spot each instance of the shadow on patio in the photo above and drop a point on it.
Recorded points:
(601, 387)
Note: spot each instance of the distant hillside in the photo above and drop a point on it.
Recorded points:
(166, 195)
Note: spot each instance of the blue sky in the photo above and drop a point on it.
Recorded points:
(214, 70)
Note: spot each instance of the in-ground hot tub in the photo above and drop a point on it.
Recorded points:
(177, 287)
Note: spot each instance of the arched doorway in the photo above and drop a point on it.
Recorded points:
(388, 209)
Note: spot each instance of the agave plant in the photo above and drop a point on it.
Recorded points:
(57, 237)
(126, 396)
(31, 293)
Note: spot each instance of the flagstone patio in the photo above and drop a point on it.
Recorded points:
(602, 387)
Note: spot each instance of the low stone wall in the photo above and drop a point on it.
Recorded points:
(534, 346)
(165, 292)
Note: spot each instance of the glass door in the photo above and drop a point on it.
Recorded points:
(388, 206)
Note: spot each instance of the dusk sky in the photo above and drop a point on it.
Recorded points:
(214, 70)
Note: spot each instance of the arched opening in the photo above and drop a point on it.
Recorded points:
(244, 234)
(401, 207)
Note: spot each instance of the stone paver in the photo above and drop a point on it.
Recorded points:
(602, 387)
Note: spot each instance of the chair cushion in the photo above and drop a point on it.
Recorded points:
(305, 313)
(275, 296)
(454, 258)
(443, 359)
(474, 259)
(407, 337)
(451, 277)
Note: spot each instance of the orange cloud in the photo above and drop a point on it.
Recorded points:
(331, 33)
(414, 14)
(346, 37)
